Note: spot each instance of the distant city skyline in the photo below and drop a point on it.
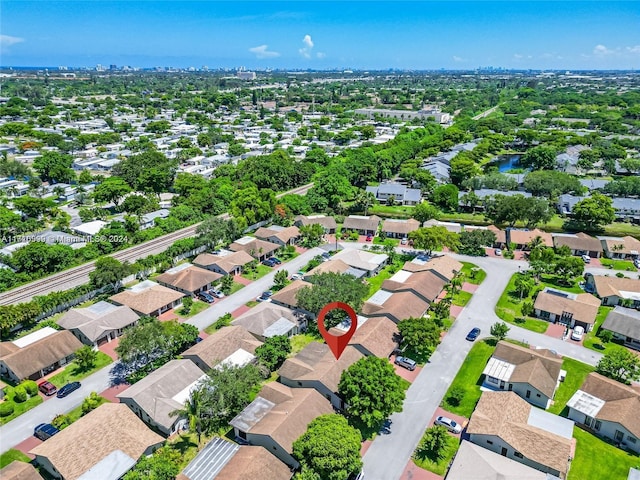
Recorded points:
(322, 34)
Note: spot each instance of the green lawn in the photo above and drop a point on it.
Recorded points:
(298, 342)
(396, 211)
(472, 273)
(436, 466)
(461, 298)
(260, 271)
(13, 455)
(252, 303)
(72, 374)
(76, 413)
(596, 459)
(624, 265)
(19, 408)
(509, 309)
(377, 240)
(376, 281)
(591, 339)
(576, 373)
(468, 379)
(196, 308)
(235, 287)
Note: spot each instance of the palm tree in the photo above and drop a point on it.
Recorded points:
(536, 243)
(193, 412)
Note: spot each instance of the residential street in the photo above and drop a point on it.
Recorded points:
(389, 454)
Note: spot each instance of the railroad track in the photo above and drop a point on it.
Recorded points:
(79, 275)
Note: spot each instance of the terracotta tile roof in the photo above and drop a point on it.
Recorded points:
(86, 442)
(326, 222)
(506, 415)
(254, 463)
(26, 361)
(316, 362)
(288, 295)
(99, 318)
(397, 307)
(622, 402)
(284, 235)
(147, 301)
(426, 284)
(579, 241)
(333, 266)
(610, 286)
(501, 235)
(258, 247)
(379, 336)
(226, 263)
(522, 237)
(625, 245)
(359, 222)
(400, 226)
(215, 348)
(289, 412)
(539, 368)
(189, 279)
(19, 471)
(584, 307)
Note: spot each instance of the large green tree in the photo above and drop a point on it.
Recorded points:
(446, 197)
(372, 391)
(54, 167)
(111, 189)
(594, 212)
(108, 272)
(274, 351)
(330, 448)
(473, 242)
(620, 364)
(149, 171)
(425, 211)
(422, 335)
(542, 157)
(434, 238)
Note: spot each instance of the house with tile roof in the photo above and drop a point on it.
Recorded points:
(161, 392)
(188, 279)
(579, 243)
(370, 262)
(532, 374)
(570, 309)
(522, 238)
(278, 416)
(614, 290)
(328, 223)
(620, 247)
(280, 235)
(258, 249)
(395, 306)
(377, 337)
(231, 263)
(624, 323)
(608, 409)
(393, 228)
(288, 296)
(232, 345)
(99, 323)
(316, 367)
(148, 298)
(443, 266)
(425, 284)
(88, 450)
(268, 320)
(223, 460)
(506, 424)
(17, 470)
(33, 356)
(364, 225)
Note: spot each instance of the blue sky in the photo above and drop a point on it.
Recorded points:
(322, 34)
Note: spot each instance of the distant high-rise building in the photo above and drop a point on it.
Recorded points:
(113, 67)
(246, 75)
(100, 68)
(63, 68)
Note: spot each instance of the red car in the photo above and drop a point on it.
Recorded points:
(47, 388)
(369, 238)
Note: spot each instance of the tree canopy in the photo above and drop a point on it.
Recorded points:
(433, 238)
(594, 212)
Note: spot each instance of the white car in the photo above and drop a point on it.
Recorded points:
(577, 333)
(451, 425)
(586, 258)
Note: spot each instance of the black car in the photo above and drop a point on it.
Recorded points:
(473, 334)
(205, 297)
(44, 431)
(269, 262)
(276, 260)
(67, 389)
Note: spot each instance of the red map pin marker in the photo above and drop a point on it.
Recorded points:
(337, 344)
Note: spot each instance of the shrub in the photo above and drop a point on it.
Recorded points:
(19, 394)
(61, 421)
(606, 336)
(455, 396)
(6, 408)
(527, 308)
(620, 275)
(30, 386)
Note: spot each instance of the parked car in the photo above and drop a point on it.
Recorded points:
(473, 334)
(577, 333)
(268, 262)
(265, 297)
(406, 363)
(636, 262)
(68, 388)
(326, 255)
(47, 388)
(586, 258)
(297, 276)
(45, 431)
(369, 238)
(498, 252)
(276, 260)
(451, 425)
(404, 241)
(205, 297)
(216, 293)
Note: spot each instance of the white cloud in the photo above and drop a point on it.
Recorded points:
(458, 59)
(262, 51)
(7, 40)
(634, 50)
(517, 56)
(321, 55)
(306, 50)
(602, 50)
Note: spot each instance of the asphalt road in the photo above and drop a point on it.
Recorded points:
(389, 454)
